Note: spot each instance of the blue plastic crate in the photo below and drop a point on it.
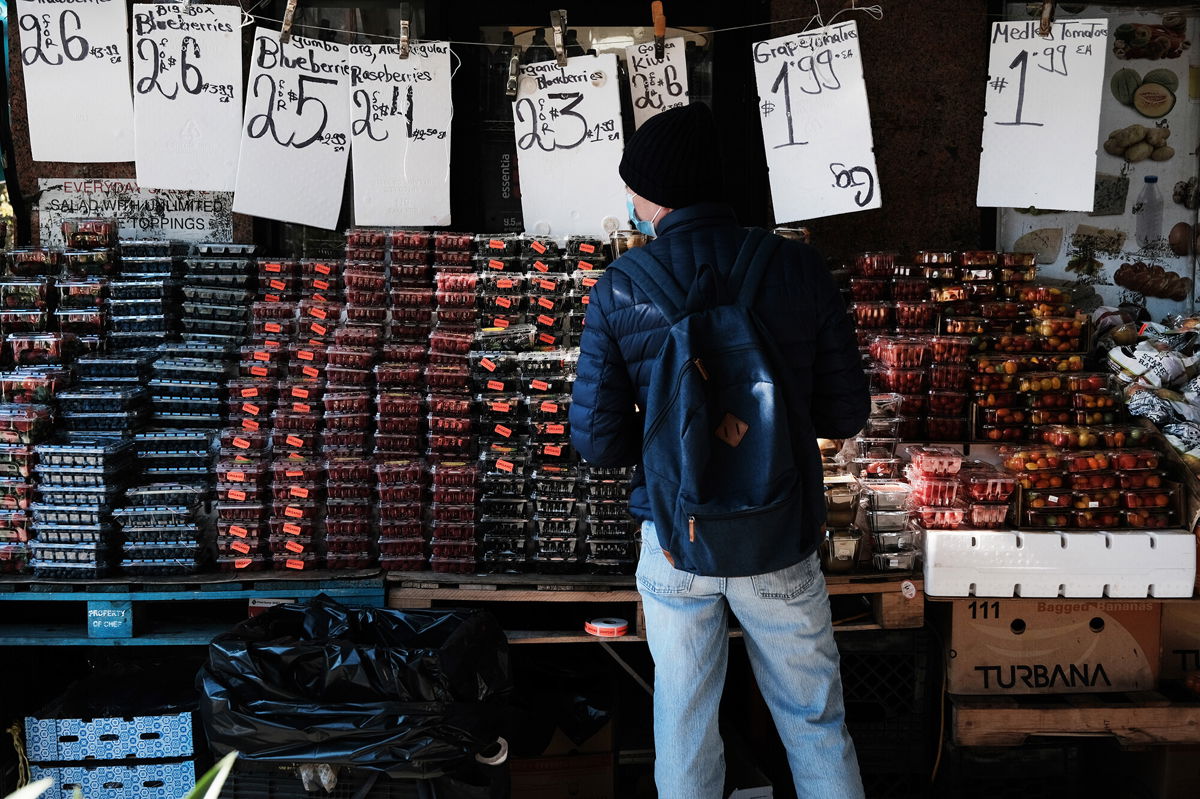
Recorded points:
(142, 781)
(139, 738)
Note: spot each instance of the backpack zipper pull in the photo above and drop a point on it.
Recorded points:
(692, 529)
(699, 364)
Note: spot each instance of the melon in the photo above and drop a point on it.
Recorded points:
(1153, 100)
(1163, 77)
(1123, 84)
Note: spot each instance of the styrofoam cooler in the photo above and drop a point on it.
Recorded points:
(992, 563)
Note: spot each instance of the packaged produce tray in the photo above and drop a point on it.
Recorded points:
(102, 477)
(56, 570)
(129, 420)
(166, 494)
(96, 399)
(91, 515)
(94, 553)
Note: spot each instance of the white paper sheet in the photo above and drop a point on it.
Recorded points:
(1043, 112)
(141, 213)
(76, 64)
(400, 131)
(187, 95)
(295, 131)
(569, 143)
(816, 124)
(654, 85)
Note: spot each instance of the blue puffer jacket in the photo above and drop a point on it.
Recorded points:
(797, 301)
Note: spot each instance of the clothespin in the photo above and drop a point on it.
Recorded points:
(558, 24)
(514, 67)
(1047, 17)
(285, 33)
(660, 29)
(405, 27)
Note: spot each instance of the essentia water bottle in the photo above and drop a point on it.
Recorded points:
(1150, 213)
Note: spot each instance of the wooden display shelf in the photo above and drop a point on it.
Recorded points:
(115, 611)
(893, 601)
(1138, 718)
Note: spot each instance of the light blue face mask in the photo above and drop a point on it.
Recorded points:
(642, 226)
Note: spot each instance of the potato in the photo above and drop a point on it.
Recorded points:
(1163, 153)
(1138, 152)
(1113, 147)
(1131, 135)
(1157, 137)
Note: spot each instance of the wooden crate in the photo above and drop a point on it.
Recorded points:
(1141, 718)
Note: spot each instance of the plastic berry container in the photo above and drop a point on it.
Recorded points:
(904, 353)
(947, 403)
(950, 349)
(987, 516)
(941, 518)
(1097, 519)
(881, 468)
(934, 490)
(915, 315)
(874, 264)
(886, 405)
(872, 315)
(949, 376)
(867, 289)
(902, 381)
(1050, 400)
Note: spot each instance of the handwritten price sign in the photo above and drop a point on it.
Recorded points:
(1043, 114)
(568, 130)
(400, 112)
(187, 101)
(75, 57)
(816, 124)
(295, 131)
(656, 85)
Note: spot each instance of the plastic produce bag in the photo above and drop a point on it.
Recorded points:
(412, 693)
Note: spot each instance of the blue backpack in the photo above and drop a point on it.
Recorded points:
(717, 447)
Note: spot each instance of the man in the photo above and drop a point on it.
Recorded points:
(670, 168)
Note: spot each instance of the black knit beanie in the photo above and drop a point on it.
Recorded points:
(674, 159)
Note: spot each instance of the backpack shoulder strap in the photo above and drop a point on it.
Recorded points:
(654, 278)
(756, 252)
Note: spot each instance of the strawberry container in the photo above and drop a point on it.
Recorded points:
(290, 420)
(397, 403)
(987, 484)
(867, 289)
(397, 424)
(885, 496)
(933, 490)
(903, 353)
(241, 471)
(941, 518)
(35, 349)
(32, 321)
(452, 513)
(1148, 519)
(344, 376)
(403, 353)
(872, 315)
(998, 399)
(349, 490)
(987, 515)
(25, 387)
(1097, 519)
(389, 530)
(916, 316)
(874, 264)
(370, 336)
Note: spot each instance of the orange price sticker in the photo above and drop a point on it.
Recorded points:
(496, 244)
(292, 512)
(504, 431)
(500, 323)
(319, 313)
(240, 546)
(302, 393)
(305, 355)
(301, 407)
(547, 285)
(291, 529)
(546, 302)
(242, 563)
(250, 408)
(537, 247)
(294, 441)
(548, 321)
(273, 327)
(590, 281)
(551, 449)
(237, 495)
(320, 330)
(540, 385)
(298, 491)
(584, 265)
(274, 267)
(298, 565)
(501, 407)
(262, 355)
(549, 407)
(321, 285)
(239, 531)
(323, 269)
(546, 338)
(488, 363)
(293, 473)
(588, 248)
(587, 299)
(241, 443)
(278, 285)
(495, 385)
(504, 302)
(504, 466)
(294, 546)
(494, 264)
(505, 283)
(556, 429)
(311, 371)
(250, 424)
(273, 298)
(320, 298)
(541, 267)
(249, 392)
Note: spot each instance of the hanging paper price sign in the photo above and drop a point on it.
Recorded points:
(187, 102)
(654, 85)
(568, 131)
(75, 57)
(400, 130)
(1043, 115)
(295, 131)
(816, 124)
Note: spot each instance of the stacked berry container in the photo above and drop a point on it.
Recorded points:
(21, 427)
(585, 258)
(90, 256)
(160, 525)
(144, 303)
(79, 485)
(103, 410)
(609, 533)
(937, 492)
(217, 289)
(242, 500)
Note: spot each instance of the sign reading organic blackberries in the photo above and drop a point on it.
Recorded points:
(569, 143)
(187, 101)
(400, 111)
(816, 124)
(1043, 115)
(75, 59)
(295, 131)
(656, 85)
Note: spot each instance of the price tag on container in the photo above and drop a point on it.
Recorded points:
(654, 85)
(1043, 114)
(816, 125)
(187, 95)
(75, 58)
(295, 131)
(400, 128)
(568, 132)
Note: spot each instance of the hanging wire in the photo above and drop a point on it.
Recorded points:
(874, 11)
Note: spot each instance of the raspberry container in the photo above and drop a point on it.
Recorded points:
(398, 547)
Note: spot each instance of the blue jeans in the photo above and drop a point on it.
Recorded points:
(788, 630)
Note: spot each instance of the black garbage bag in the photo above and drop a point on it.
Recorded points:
(412, 693)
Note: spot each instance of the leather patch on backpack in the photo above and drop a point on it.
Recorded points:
(732, 430)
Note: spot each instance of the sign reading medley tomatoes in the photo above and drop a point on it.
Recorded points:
(75, 58)
(187, 102)
(568, 131)
(295, 131)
